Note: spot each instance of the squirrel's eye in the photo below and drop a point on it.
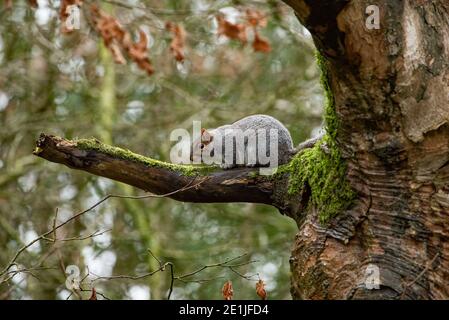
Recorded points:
(202, 146)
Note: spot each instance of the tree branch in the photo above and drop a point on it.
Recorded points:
(90, 155)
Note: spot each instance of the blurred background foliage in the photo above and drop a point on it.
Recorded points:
(68, 85)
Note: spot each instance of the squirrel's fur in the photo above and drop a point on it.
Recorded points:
(256, 124)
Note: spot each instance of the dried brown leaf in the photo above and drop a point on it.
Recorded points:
(119, 41)
(227, 290)
(261, 44)
(256, 18)
(63, 12)
(93, 295)
(117, 54)
(138, 53)
(260, 289)
(139, 49)
(32, 3)
(177, 45)
(232, 31)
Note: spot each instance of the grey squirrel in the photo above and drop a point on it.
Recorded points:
(254, 141)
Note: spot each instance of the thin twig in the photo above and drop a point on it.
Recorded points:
(149, 274)
(219, 264)
(54, 224)
(53, 230)
(249, 277)
(79, 238)
(172, 280)
(160, 11)
(96, 291)
(201, 280)
(156, 258)
(182, 278)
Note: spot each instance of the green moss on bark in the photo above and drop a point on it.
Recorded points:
(322, 168)
(325, 173)
(116, 152)
(330, 116)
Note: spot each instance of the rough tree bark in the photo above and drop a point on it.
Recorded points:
(387, 119)
(391, 97)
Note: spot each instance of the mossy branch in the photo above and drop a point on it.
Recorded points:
(90, 155)
(319, 168)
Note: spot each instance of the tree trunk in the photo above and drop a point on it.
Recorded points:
(371, 199)
(391, 98)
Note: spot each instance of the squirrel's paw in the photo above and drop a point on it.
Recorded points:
(227, 166)
(251, 165)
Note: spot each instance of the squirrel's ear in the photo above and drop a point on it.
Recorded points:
(206, 136)
(206, 133)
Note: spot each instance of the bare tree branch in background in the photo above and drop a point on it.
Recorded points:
(45, 235)
(226, 264)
